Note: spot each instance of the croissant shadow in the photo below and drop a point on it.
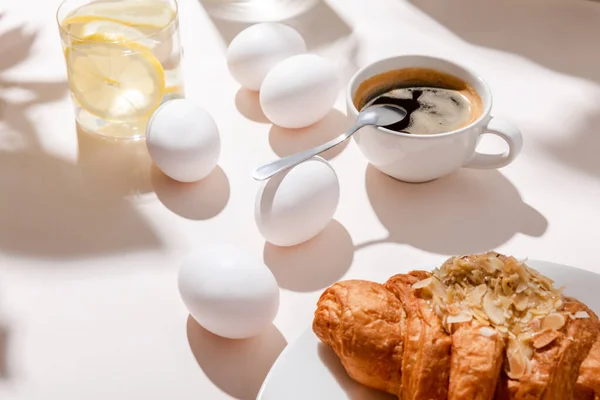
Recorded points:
(468, 211)
(353, 389)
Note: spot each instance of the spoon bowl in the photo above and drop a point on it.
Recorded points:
(375, 115)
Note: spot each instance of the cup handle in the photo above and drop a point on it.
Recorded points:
(511, 135)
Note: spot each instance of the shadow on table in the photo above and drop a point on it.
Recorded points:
(124, 166)
(4, 338)
(247, 103)
(578, 147)
(354, 390)
(200, 200)
(312, 265)
(468, 211)
(319, 25)
(323, 30)
(285, 142)
(49, 207)
(238, 367)
(562, 35)
(15, 48)
(567, 47)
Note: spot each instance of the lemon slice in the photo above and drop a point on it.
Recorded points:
(115, 81)
(115, 32)
(141, 13)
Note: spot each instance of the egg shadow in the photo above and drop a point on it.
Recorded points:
(468, 211)
(247, 103)
(353, 389)
(285, 142)
(238, 367)
(312, 265)
(123, 165)
(200, 200)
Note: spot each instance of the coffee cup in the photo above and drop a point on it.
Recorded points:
(424, 157)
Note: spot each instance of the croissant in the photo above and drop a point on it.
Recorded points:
(455, 333)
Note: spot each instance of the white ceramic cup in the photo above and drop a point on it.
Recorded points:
(421, 158)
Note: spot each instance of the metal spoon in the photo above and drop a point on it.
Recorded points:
(378, 115)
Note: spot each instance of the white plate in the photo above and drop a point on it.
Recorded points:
(309, 370)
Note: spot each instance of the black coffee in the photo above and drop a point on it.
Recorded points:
(435, 102)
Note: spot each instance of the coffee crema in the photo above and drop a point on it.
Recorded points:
(435, 101)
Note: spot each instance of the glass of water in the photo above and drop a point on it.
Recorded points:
(257, 10)
(123, 60)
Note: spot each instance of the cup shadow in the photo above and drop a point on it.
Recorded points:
(315, 264)
(466, 212)
(571, 50)
(285, 142)
(354, 390)
(238, 367)
(200, 200)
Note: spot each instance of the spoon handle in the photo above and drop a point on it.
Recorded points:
(268, 170)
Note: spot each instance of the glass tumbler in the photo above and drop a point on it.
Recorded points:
(252, 11)
(123, 61)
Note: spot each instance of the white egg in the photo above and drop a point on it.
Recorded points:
(299, 91)
(183, 140)
(256, 49)
(294, 206)
(228, 292)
